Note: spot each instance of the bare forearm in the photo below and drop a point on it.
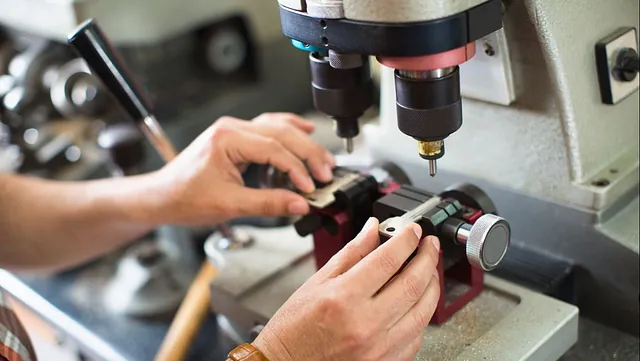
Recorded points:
(46, 224)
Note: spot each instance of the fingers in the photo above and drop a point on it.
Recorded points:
(248, 202)
(293, 119)
(242, 147)
(363, 244)
(409, 351)
(408, 287)
(376, 269)
(419, 316)
(318, 159)
(291, 133)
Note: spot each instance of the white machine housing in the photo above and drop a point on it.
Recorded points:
(539, 126)
(561, 164)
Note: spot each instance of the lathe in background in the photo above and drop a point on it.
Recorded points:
(197, 62)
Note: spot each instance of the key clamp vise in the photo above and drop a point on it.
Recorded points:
(473, 238)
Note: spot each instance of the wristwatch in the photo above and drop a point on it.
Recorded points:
(246, 352)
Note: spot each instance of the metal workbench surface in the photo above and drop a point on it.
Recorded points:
(138, 340)
(601, 343)
(83, 321)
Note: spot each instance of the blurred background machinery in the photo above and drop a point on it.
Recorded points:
(197, 62)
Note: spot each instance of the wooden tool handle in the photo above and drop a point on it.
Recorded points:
(192, 312)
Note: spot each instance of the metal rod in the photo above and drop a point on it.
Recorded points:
(433, 167)
(157, 137)
(462, 234)
(348, 145)
(88, 342)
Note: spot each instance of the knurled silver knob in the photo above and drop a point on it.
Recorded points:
(487, 241)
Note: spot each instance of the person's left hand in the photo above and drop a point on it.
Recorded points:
(204, 184)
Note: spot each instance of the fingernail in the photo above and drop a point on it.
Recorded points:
(328, 157)
(367, 226)
(327, 172)
(298, 208)
(309, 184)
(417, 230)
(436, 242)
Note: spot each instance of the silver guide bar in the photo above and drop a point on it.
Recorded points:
(89, 343)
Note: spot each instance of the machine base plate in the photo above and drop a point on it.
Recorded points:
(506, 322)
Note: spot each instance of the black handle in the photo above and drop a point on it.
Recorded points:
(90, 42)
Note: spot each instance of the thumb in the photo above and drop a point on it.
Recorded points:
(269, 203)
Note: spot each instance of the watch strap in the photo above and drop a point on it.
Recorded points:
(246, 352)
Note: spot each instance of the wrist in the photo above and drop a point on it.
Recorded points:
(136, 199)
(262, 347)
(150, 199)
(271, 348)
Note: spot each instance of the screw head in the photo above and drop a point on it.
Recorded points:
(488, 49)
(625, 70)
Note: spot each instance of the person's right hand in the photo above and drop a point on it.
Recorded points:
(358, 307)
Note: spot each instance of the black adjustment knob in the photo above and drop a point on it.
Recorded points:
(125, 146)
(93, 46)
(626, 68)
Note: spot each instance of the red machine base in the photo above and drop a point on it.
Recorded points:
(460, 273)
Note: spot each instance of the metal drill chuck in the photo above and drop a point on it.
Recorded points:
(429, 107)
(343, 92)
(486, 241)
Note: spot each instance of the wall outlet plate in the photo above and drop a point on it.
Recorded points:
(612, 89)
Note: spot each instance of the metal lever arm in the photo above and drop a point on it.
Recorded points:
(97, 51)
(93, 46)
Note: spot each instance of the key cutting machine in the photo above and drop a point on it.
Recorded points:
(548, 91)
(255, 281)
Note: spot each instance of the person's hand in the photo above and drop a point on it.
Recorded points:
(358, 307)
(203, 184)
